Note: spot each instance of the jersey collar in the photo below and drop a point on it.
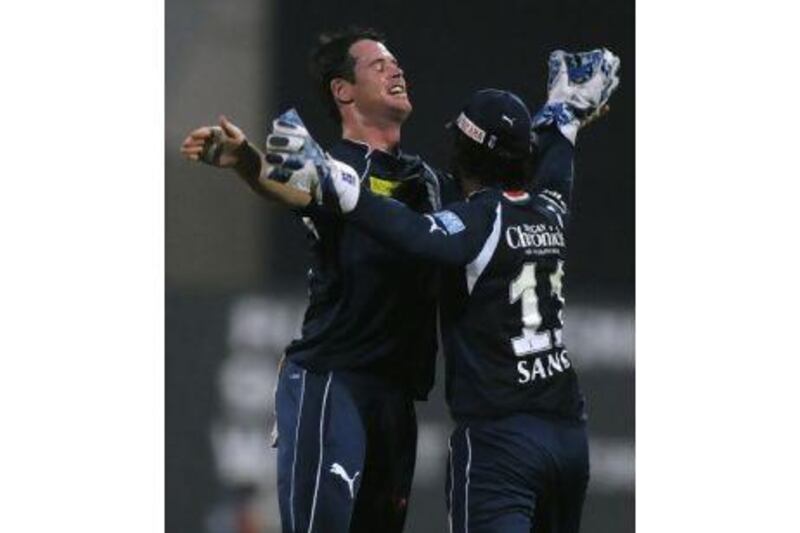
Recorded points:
(516, 195)
(366, 150)
(397, 164)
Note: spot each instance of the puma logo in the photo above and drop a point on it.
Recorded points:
(509, 120)
(339, 470)
(434, 227)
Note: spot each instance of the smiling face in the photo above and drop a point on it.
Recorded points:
(379, 92)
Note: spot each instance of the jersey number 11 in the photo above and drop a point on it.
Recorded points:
(524, 287)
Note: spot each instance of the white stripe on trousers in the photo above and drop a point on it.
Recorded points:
(296, 436)
(466, 484)
(319, 463)
(452, 484)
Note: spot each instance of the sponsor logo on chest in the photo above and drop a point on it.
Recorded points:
(383, 187)
(535, 238)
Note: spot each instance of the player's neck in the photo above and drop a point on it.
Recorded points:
(470, 185)
(384, 137)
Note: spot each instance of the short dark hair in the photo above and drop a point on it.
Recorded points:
(331, 59)
(474, 160)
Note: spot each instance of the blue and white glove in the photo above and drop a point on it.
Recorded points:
(292, 152)
(301, 163)
(578, 87)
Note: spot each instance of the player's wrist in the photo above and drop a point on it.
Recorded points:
(560, 115)
(248, 161)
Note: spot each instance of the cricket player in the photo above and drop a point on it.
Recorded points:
(346, 420)
(519, 457)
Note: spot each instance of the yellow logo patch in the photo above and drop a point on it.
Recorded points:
(382, 187)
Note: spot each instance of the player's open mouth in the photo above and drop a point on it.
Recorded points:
(396, 90)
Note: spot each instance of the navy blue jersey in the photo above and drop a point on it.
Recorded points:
(501, 295)
(371, 308)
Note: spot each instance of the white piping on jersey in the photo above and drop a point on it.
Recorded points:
(319, 464)
(296, 436)
(557, 206)
(554, 208)
(555, 203)
(311, 227)
(473, 193)
(433, 188)
(478, 265)
(370, 149)
(366, 169)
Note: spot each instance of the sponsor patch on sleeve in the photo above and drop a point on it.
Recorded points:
(451, 223)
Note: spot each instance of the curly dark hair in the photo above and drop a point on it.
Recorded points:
(331, 59)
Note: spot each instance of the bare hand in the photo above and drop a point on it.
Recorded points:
(215, 145)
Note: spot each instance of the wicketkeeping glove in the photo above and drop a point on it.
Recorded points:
(578, 86)
(300, 162)
(292, 152)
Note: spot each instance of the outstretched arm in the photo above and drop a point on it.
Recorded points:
(450, 237)
(225, 146)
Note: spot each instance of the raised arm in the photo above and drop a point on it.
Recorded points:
(578, 88)
(225, 146)
(555, 169)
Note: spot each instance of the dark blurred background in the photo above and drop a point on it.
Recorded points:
(235, 279)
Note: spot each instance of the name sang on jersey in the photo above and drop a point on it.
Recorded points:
(538, 239)
(537, 368)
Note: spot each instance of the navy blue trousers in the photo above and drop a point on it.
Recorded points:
(518, 474)
(346, 452)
